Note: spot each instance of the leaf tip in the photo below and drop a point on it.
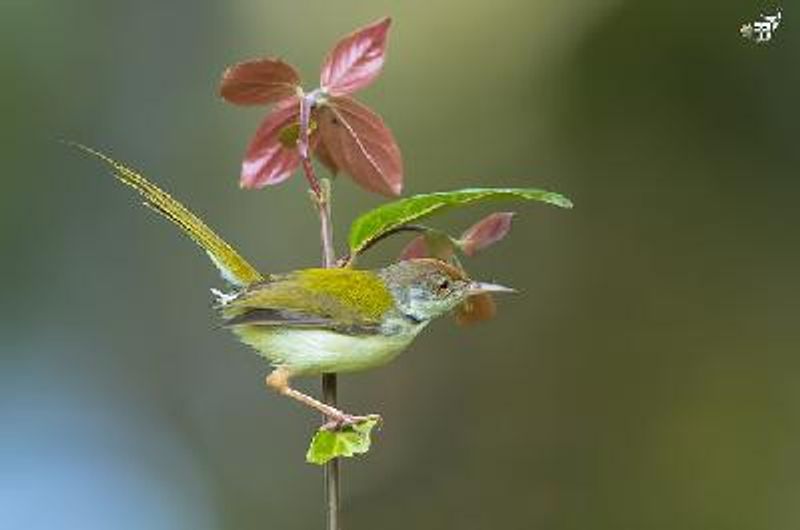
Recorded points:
(486, 232)
(356, 59)
(561, 201)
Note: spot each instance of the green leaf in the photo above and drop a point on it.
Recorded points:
(290, 134)
(329, 444)
(372, 224)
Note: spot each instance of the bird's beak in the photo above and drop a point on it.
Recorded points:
(480, 288)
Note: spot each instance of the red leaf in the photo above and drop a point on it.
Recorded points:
(485, 232)
(259, 82)
(361, 145)
(356, 60)
(416, 248)
(268, 161)
(431, 244)
(476, 308)
(322, 154)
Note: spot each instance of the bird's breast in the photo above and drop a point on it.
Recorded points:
(316, 351)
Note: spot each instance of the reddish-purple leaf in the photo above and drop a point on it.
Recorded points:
(440, 246)
(356, 60)
(361, 145)
(485, 232)
(259, 82)
(268, 161)
(322, 154)
(431, 244)
(416, 248)
(476, 308)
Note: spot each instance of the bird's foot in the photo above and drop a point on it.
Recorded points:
(339, 423)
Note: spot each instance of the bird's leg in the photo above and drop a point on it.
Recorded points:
(279, 381)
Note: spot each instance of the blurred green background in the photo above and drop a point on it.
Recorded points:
(647, 378)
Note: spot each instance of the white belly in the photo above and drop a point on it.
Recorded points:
(315, 351)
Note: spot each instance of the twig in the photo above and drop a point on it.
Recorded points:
(320, 191)
(306, 103)
(332, 476)
(321, 194)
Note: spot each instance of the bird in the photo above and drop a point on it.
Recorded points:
(317, 320)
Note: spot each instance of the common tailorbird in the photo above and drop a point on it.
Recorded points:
(315, 321)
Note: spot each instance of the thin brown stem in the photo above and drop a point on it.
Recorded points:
(332, 470)
(306, 103)
(321, 193)
(325, 226)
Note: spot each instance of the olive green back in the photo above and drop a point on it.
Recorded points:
(345, 295)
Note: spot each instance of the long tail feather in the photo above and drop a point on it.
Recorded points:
(233, 267)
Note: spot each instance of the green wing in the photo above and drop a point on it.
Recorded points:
(345, 299)
(233, 267)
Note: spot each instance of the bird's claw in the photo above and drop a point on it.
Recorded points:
(344, 421)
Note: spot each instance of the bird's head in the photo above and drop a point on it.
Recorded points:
(424, 289)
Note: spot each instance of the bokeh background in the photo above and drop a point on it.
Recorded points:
(647, 377)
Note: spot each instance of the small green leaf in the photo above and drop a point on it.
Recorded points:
(329, 444)
(372, 224)
(291, 133)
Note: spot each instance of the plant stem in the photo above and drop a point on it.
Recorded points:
(321, 193)
(306, 103)
(332, 476)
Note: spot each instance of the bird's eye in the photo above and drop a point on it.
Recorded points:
(444, 285)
